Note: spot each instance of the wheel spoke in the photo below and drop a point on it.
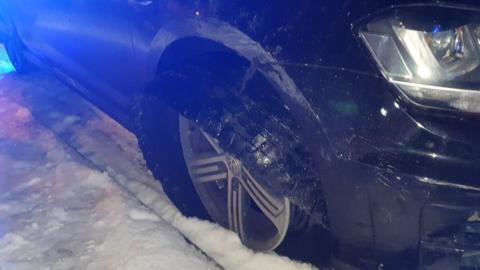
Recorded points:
(212, 142)
(273, 208)
(236, 201)
(209, 168)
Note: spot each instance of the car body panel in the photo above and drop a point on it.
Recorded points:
(68, 33)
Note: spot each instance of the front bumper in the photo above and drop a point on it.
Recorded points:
(381, 217)
(402, 186)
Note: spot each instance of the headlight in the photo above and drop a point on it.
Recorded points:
(432, 53)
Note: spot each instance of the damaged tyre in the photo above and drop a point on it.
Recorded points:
(242, 178)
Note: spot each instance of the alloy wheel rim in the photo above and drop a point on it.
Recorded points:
(229, 192)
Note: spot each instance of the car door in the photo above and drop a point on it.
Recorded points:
(88, 40)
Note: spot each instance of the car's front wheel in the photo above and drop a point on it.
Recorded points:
(242, 181)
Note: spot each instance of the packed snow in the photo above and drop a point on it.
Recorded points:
(75, 193)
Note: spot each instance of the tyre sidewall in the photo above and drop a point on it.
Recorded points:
(159, 139)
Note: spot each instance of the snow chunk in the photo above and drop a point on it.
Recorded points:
(137, 214)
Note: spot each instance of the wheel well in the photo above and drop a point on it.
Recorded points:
(190, 47)
(213, 57)
(223, 92)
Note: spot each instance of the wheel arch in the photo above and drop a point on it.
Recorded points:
(168, 47)
(229, 39)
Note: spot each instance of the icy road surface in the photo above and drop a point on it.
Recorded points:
(75, 193)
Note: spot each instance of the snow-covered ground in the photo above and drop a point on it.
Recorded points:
(75, 193)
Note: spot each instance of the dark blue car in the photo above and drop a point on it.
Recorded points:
(343, 132)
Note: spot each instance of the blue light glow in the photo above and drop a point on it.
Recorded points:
(5, 63)
(436, 29)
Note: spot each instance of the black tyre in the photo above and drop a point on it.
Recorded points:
(159, 140)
